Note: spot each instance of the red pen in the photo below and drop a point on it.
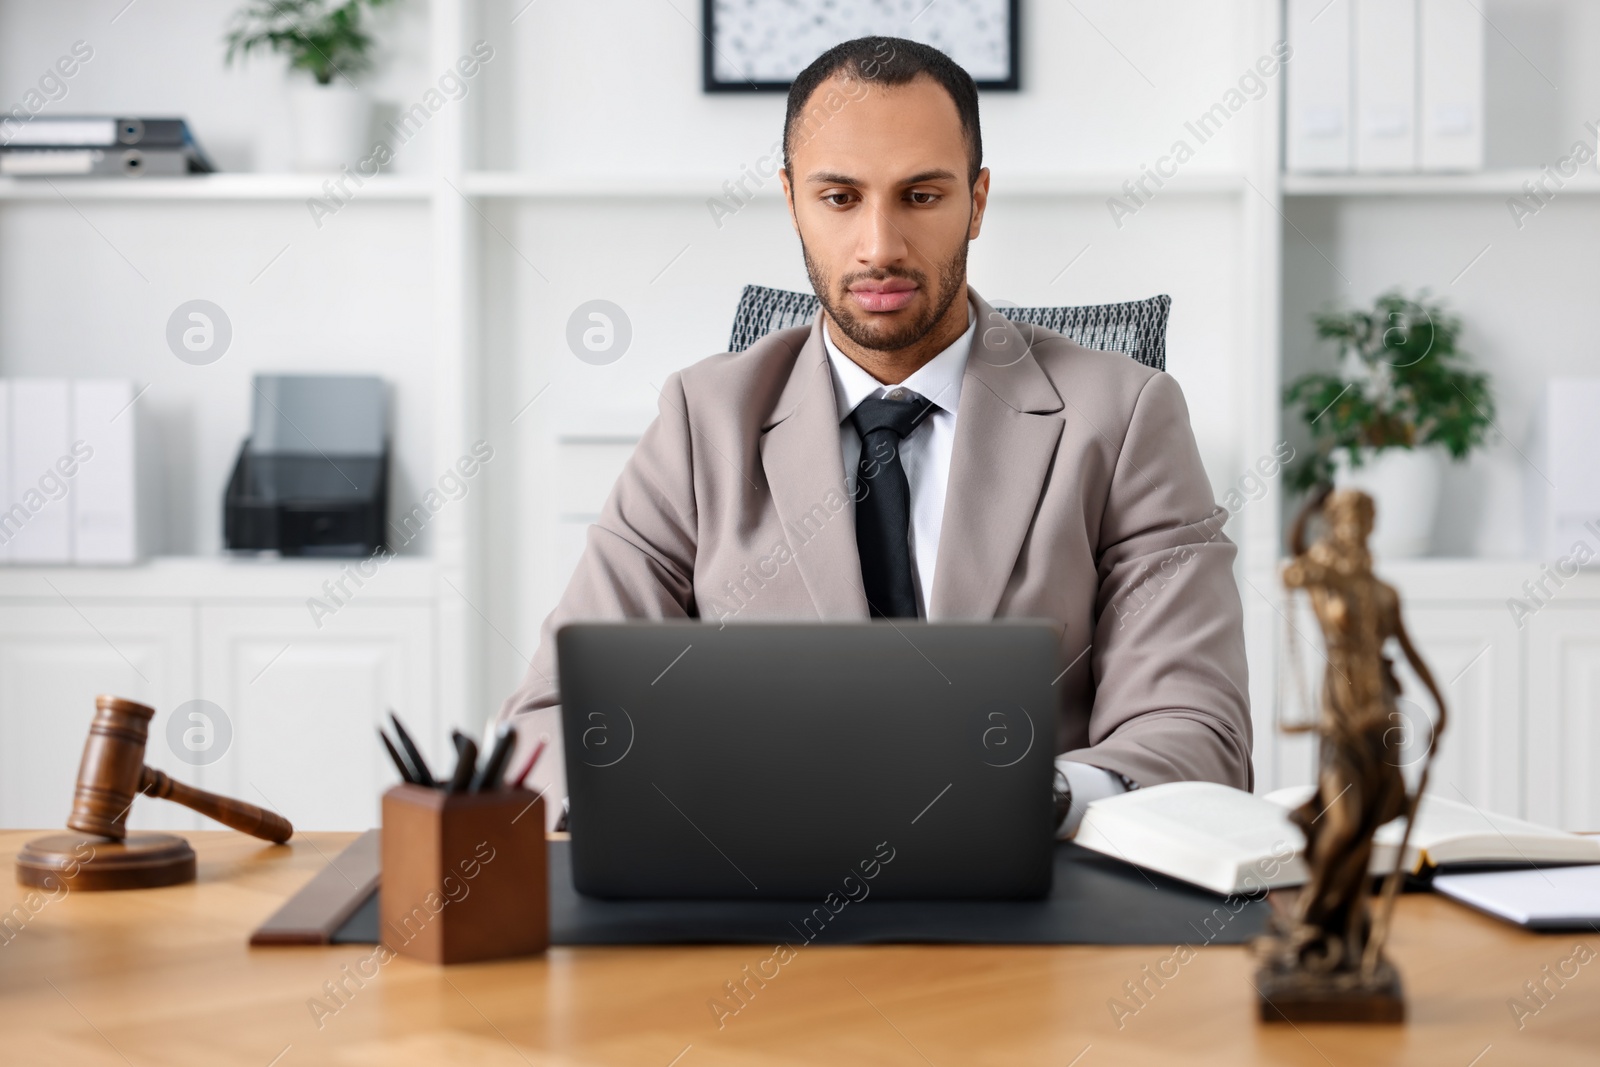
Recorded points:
(538, 750)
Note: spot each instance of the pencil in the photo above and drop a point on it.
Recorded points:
(538, 750)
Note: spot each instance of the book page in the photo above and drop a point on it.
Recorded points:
(1450, 831)
(1249, 824)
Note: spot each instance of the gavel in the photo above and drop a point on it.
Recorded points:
(113, 773)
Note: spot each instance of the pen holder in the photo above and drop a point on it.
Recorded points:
(464, 875)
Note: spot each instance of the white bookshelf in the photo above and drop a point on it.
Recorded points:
(1519, 686)
(381, 286)
(513, 185)
(236, 579)
(1503, 182)
(200, 187)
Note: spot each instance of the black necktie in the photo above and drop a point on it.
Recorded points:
(883, 504)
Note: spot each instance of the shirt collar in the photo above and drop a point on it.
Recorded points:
(938, 380)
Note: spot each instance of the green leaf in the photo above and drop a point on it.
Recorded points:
(1412, 387)
(323, 37)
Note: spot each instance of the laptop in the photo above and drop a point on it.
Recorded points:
(901, 759)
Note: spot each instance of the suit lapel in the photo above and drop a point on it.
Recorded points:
(1005, 442)
(1001, 457)
(805, 474)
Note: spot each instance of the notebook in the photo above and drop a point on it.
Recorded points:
(1554, 898)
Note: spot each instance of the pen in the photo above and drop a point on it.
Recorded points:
(466, 761)
(488, 777)
(405, 772)
(538, 750)
(419, 766)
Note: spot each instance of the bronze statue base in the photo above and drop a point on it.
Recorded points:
(1296, 995)
(87, 862)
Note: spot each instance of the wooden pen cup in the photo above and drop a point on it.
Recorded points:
(464, 875)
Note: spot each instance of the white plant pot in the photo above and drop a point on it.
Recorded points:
(331, 124)
(1404, 484)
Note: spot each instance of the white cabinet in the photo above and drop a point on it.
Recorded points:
(1564, 716)
(290, 704)
(54, 659)
(1521, 678)
(1475, 657)
(304, 703)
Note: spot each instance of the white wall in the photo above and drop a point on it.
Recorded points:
(613, 86)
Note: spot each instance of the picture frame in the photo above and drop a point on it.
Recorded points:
(761, 45)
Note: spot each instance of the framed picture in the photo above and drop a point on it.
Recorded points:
(761, 45)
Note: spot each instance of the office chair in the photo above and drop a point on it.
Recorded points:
(1137, 327)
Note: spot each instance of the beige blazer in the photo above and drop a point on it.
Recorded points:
(1076, 494)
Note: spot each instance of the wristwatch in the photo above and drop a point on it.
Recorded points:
(1063, 790)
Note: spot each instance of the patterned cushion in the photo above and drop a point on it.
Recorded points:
(1137, 327)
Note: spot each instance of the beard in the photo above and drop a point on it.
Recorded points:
(884, 337)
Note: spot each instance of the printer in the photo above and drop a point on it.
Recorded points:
(312, 479)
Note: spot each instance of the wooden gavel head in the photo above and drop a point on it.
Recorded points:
(113, 773)
(113, 760)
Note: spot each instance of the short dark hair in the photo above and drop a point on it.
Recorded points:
(888, 61)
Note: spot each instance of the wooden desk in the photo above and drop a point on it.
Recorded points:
(164, 977)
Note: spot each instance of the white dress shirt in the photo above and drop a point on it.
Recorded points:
(924, 452)
(925, 456)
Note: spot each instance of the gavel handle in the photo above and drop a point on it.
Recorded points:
(244, 817)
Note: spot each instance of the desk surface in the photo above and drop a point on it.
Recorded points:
(164, 976)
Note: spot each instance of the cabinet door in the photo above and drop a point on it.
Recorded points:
(1475, 657)
(303, 701)
(1564, 717)
(54, 659)
(1474, 654)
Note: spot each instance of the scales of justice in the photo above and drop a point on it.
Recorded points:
(1322, 959)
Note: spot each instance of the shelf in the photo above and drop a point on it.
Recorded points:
(219, 578)
(1481, 183)
(210, 187)
(515, 185)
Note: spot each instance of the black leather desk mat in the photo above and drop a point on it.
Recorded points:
(1095, 900)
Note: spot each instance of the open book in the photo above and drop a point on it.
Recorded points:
(1230, 841)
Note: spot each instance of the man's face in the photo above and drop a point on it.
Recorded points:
(881, 203)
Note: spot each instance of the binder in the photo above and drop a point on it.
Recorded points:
(40, 517)
(105, 519)
(1319, 133)
(97, 162)
(1450, 96)
(1385, 85)
(100, 145)
(99, 131)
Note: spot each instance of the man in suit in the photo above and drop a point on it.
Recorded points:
(914, 454)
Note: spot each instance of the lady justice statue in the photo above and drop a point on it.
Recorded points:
(1323, 959)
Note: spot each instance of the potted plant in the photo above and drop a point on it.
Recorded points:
(1403, 393)
(324, 38)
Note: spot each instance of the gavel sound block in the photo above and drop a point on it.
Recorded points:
(103, 855)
